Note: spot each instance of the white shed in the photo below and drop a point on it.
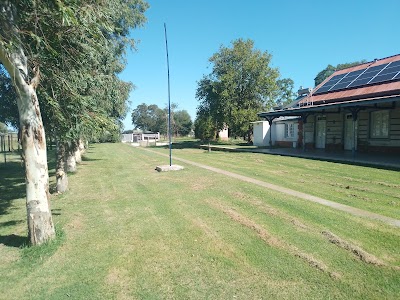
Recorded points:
(285, 132)
(261, 133)
(223, 134)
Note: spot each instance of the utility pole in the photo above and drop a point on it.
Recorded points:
(169, 100)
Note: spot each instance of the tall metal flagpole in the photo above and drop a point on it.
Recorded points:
(169, 100)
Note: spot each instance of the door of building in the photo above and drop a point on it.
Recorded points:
(320, 132)
(350, 135)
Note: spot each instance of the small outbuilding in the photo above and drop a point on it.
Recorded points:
(282, 131)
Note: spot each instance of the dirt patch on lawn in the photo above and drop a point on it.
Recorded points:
(270, 211)
(262, 233)
(77, 222)
(355, 250)
(119, 279)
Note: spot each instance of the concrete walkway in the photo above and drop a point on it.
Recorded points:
(390, 161)
(351, 210)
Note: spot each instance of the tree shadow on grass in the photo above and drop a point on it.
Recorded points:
(85, 158)
(185, 145)
(56, 211)
(13, 240)
(195, 144)
(12, 184)
(10, 223)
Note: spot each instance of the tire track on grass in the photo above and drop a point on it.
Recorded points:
(273, 241)
(338, 206)
(358, 252)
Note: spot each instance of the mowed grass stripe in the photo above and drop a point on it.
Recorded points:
(368, 232)
(366, 188)
(134, 233)
(335, 205)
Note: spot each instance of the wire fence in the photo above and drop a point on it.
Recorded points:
(8, 144)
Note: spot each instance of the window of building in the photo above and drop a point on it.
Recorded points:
(289, 130)
(380, 124)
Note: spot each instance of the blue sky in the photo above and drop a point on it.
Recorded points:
(302, 36)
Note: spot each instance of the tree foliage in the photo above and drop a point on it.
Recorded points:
(154, 119)
(69, 54)
(285, 93)
(204, 128)
(146, 117)
(8, 103)
(3, 128)
(241, 84)
(329, 70)
(182, 123)
(79, 47)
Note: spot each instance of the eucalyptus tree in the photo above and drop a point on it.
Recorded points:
(89, 99)
(241, 84)
(25, 76)
(57, 47)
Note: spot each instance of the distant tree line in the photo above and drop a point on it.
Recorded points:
(151, 118)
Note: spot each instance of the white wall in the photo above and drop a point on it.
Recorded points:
(261, 133)
(223, 134)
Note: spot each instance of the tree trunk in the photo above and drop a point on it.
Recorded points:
(40, 222)
(81, 146)
(78, 156)
(249, 133)
(61, 174)
(71, 161)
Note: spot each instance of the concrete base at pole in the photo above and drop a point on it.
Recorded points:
(166, 168)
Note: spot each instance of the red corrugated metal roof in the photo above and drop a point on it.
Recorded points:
(378, 90)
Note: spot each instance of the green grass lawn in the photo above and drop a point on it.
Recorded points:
(126, 231)
(367, 188)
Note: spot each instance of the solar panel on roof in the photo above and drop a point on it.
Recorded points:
(324, 89)
(367, 76)
(372, 75)
(390, 69)
(347, 80)
(387, 74)
(330, 83)
(394, 64)
(383, 78)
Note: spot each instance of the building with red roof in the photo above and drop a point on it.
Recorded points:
(356, 109)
